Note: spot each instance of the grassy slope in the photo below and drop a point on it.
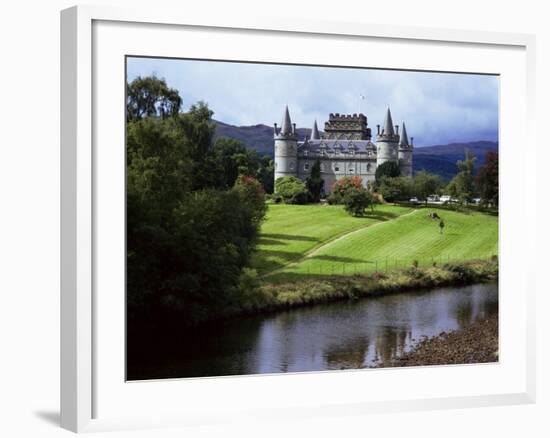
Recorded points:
(396, 243)
(290, 231)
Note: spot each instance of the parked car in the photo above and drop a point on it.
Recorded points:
(414, 200)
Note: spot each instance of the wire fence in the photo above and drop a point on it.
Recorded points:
(387, 264)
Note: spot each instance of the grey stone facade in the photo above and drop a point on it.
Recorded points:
(344, 149)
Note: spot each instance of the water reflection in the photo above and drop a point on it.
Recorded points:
(325, 337)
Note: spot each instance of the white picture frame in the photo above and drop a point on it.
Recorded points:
(85, 373)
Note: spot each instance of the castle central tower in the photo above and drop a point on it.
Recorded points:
(286, 147)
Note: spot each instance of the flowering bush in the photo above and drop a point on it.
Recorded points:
(341, 187)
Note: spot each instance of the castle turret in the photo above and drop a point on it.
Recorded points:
(315, 132)
(405, 152)
(286, 148)
(387, 141)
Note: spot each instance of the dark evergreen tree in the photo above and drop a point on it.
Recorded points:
(314, 182)
(387, 169)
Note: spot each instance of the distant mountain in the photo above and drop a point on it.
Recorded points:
(440, 159)
(259, 137)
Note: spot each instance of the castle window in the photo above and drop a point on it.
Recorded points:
(292, 165)
(351, 170)
(368, 167)
(306, 166)
(336, 168)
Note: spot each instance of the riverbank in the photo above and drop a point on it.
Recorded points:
(305, 291)
(477, 343)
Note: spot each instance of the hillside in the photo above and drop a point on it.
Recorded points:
(301, 241)
(440, 159)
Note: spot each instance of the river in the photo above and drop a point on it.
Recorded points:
(342, 335)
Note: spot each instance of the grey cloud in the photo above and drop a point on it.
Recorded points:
(437, 107)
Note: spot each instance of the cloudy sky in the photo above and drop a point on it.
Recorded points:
(438, 108)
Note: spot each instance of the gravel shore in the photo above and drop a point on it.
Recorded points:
(477, 343)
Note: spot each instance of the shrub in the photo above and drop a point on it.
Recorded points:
(251, 296)
(341, 187)
(291, 189)
(356, 200)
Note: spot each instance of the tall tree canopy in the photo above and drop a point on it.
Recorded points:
(462, 185)
(151, 96)
(487, 179)
(389, 169)
(189, 233)
(314, 182)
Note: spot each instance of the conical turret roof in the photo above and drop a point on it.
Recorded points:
(286, 126)
(315, 132)
(404, 140)
(388, 123)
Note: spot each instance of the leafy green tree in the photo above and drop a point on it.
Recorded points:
(314, 182)
(486, 180)
(356, 200)
(441, 226)
(188, 241)
(387, 169)
(462, 185)
(252, 194)
(426, 184)
(151, 96)
(396, 189)
(292, 189)
(230, 158)
(266, 173)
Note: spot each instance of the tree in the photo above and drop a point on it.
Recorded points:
(462, 185)
(292, 189)
(314, 182)
(266, 174)
(486, 180)
(151, 96)
(396, 189)
(188, 241)
(252, 194)
(426, 184)
(441, 226)
(341, 187)
(357, 200)
(387, 169)
(229, 159)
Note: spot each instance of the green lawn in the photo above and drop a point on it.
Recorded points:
(290, 231)
(385, 241)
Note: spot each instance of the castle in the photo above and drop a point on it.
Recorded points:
(344, 149)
